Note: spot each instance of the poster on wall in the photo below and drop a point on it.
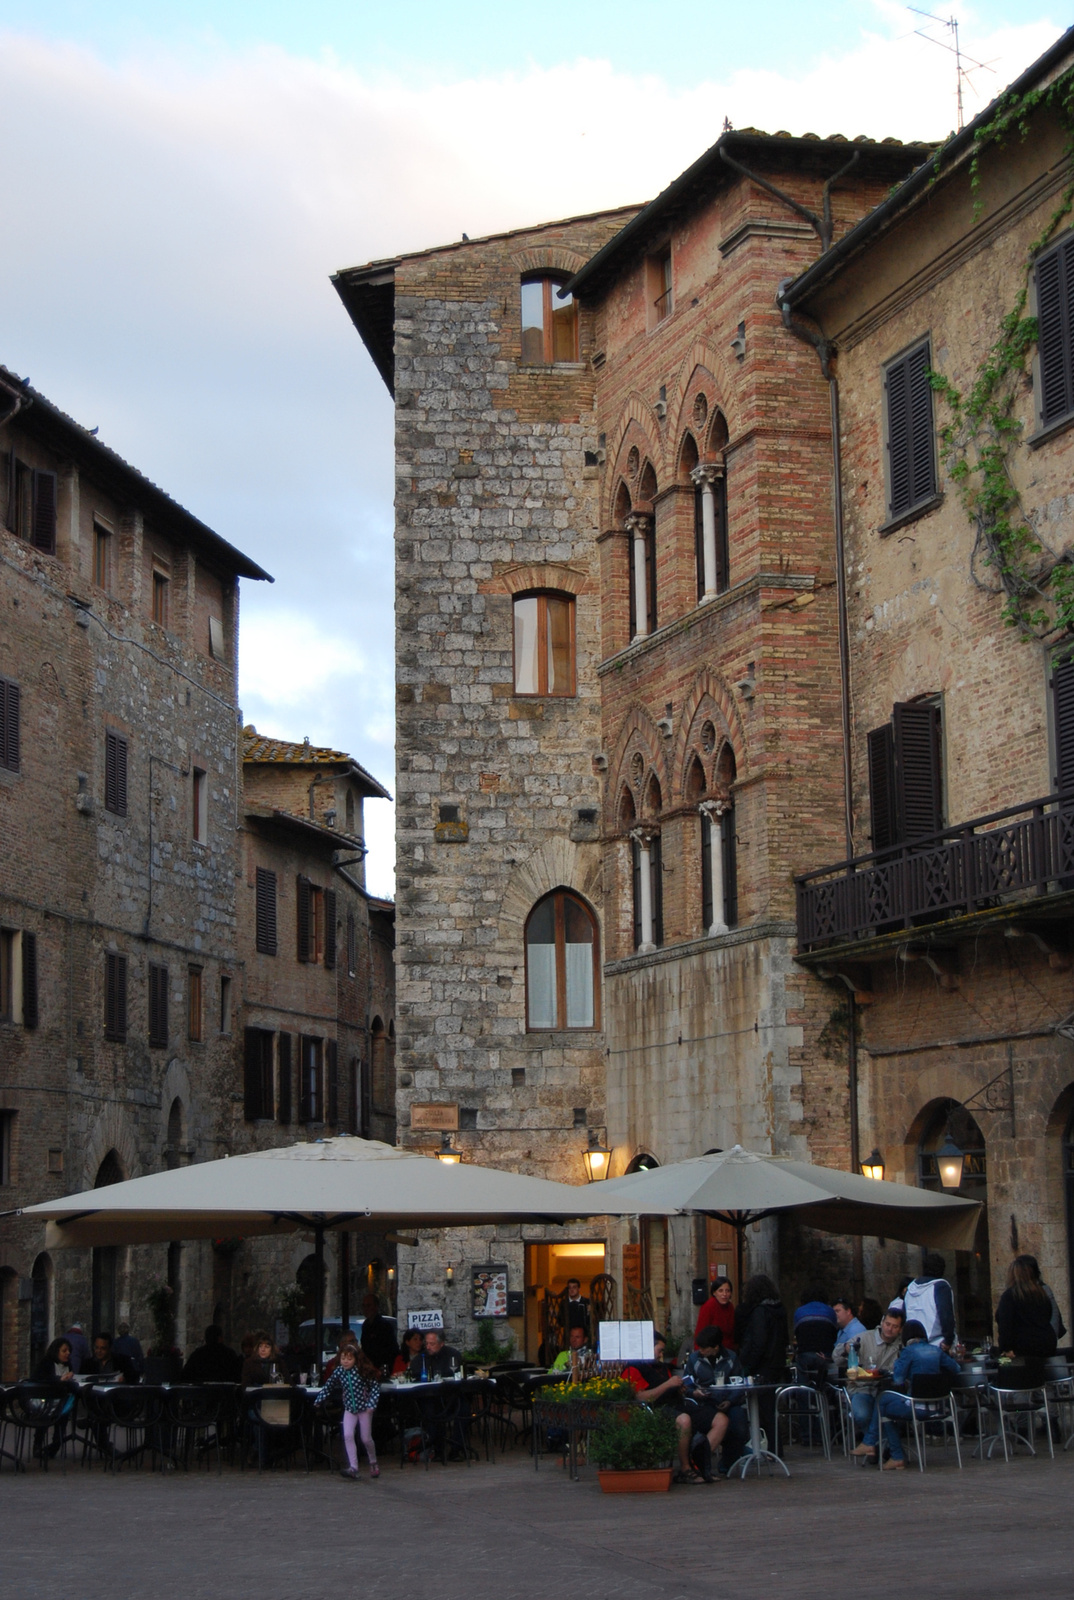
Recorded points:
(488, 1292)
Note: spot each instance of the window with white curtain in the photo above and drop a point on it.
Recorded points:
(561, 963)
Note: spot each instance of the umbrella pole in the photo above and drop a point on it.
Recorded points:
(739, 1228)
(344, 1281)
(318, 1300)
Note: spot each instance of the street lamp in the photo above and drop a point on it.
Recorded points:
(873, 1166)
(446, 1154)
(949, 1161)
(597, 1159)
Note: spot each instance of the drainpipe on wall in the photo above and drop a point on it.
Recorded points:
(811, 333)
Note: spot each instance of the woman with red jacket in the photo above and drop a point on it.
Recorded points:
(718, 1311)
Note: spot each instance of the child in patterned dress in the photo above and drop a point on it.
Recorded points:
(355, 1382)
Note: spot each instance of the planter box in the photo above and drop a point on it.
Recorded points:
(639, 1480)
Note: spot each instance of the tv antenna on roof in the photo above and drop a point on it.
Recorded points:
(951, 24)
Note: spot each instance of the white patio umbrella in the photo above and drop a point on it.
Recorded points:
(738, 1187)
(331, 1184)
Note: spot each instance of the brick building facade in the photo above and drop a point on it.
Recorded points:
(955, 952)
(120, 794)
(617, 681)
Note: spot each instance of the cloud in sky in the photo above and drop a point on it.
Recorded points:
(171, 224)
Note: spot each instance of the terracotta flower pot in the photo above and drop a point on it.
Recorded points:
(638, 1480)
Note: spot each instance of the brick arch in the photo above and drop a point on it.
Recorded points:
(176, 1086)
(637, 424)
(709, 694)
(556, 864)
(524, 576)
(687, 439)
(111, 1130)
(702, 368)
(637, 733)
(549, 258)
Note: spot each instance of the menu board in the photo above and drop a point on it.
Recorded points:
(488, 1292)
(625, 1341)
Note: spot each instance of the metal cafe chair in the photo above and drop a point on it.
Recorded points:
(5, 1423)
(37, 1411)
(967, 1390)
(136, 1411)
(192, 1422)
(1059, 1376)
(804, 1402)
(933, 1403)
(1018, 1398)
(275, 1424)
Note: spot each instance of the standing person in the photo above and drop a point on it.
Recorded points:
(1024, 1312)
(357, 1383)
(576, 1309)
(718, 1312)
(1057, 1320)
(213, 1361)
(929, 1300)
(761, 1330)
(378, 1335)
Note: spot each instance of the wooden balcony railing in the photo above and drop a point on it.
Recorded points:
(982, 864)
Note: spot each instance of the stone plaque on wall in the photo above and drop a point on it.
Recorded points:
(437, 1118)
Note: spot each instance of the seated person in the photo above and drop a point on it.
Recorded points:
(437, 1360)
(879, 1350)
(576, 1353)
(815, 1326)
(849, 1324)
(918, 1357)
(654, 1382)
(264, 1366)
(712, 1416)
(213, 1361)
(413, 1345)
(106, 1359)
(125, 1344)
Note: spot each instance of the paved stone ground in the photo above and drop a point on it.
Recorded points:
(504, 1532)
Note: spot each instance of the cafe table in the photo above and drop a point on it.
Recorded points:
(439, 1399)
(753, 1393)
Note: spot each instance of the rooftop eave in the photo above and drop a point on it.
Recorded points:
(368, 296)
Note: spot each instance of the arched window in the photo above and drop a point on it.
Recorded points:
(970, 1278)
(544, 644)
(719, 857)
(40, 1307)
(103, 1302)
(562, 953)
(173, 1150)
(549, 322)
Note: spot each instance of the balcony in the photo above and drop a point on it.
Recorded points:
(1012, 863)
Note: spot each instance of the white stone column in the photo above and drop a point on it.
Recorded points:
(645, 886)
(706, 476)
(713, 811)
(638, 526)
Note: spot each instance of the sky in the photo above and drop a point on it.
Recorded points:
(180, 181)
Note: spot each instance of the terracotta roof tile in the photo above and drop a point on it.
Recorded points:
(259, 747)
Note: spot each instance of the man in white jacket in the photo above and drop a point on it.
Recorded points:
(929, 1300)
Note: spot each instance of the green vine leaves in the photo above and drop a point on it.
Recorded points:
(979, 439)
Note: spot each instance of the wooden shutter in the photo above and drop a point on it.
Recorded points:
(911, 450)
(9, 725)
(656, 875)
(305, 1080)
(332, 1074)
(285, 1092)
(265, 918)
(706, 873)
(252, 1074)
(699, 541)
(881, 744)
(115, 997)
(1063, 714)
(158, 1006)
(29, 980)
(918, 771)
(330, 928)
(635, 860)
(115, 774)
(44, 526)
(728, 844)
(304, 918)
(1055, 321)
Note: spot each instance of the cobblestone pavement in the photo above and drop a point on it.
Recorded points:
(504, 1532)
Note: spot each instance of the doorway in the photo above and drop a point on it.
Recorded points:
(971, 1281)
(549, 1267)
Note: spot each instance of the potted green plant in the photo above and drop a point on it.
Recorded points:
(634, 1452)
